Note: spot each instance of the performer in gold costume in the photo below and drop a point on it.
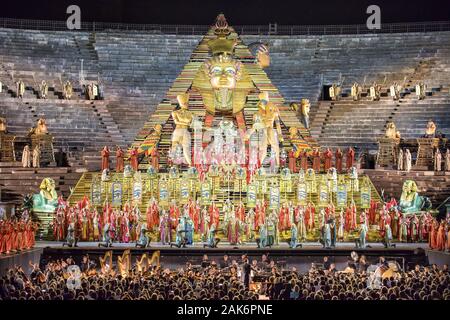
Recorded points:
(268, 114)
(182, 119)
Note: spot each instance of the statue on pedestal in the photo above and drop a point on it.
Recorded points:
(182, 118)
(40, 128)
(3, 126)
(391, 131)
(430, 131)
(47, 199)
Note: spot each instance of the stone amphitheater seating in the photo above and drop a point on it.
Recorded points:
(300, 64)
(137, 68)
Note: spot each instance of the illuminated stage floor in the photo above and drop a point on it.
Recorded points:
(227, 246)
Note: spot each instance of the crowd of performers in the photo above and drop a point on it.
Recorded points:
(17, 235)
(295, 224)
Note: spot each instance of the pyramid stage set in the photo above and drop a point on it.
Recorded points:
(126, 152)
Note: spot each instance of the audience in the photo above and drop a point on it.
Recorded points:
(211, 282)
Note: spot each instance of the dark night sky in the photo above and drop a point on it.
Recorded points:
(237, 12)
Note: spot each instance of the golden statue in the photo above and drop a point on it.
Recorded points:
(182, 119)
(40, 128)
(3, 127)
(305, 108)
(430, 131)
(268, 114)
(223, 81)
(391, 131)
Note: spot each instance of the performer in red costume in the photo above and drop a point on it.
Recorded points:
(373, 212)
(283, 218)
(213, 215)
(338, 158)
(304, 160)
(134, 158)
(174, 214)
(240, 212)
(154, 154)
(328, 156)
(350, 158)
(119, 159)
(260, 214)
(310, 216)
(292, 162)
(440, 236)
(432, 241)
(105, 158)
(316, 160)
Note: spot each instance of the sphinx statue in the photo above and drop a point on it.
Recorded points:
(391, 131)
(410, 200)
(3, 127)
(430, 131)
(40, 128)
(47, 199)
(222, 80)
